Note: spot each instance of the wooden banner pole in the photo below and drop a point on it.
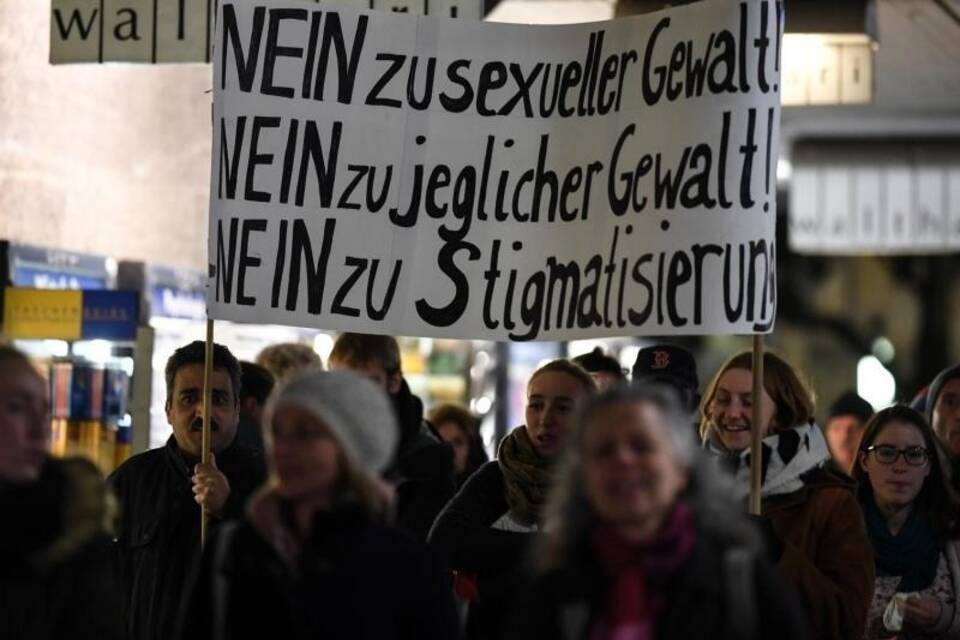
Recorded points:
(205, 450)
(756, 461)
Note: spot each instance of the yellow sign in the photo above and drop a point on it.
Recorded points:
(42, 313)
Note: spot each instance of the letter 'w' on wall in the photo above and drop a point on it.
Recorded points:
(157, 31)
(396, 174)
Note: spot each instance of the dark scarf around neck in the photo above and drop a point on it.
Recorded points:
(912, 554)
(641, 574)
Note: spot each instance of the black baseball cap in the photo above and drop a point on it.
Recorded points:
(669, 364)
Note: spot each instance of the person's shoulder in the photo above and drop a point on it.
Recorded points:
(488, 474)
(424, 450)
(488, 470)
(137, 465)
(829, 480)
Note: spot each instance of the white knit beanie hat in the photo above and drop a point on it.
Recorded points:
(356, 411)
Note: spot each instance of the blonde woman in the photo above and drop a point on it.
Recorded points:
(313, 557)
(486, 528)
(812, 522)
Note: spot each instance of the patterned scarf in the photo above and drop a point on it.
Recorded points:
(526, 476)
(785, 456)
(640, 576)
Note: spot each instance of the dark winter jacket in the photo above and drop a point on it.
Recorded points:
(725, 591)
(476, 458)
(353, 580)
(159, 534)
(422, 471)
(249, 433)
(463, 534)
(58, 572)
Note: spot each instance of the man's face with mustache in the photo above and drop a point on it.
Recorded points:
(185, 409)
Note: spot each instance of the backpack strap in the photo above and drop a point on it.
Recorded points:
(738, 569)
(221, 586)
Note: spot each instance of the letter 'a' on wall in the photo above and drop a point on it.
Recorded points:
(168, 31)
(416, 175)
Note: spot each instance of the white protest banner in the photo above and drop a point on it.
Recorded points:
(432, 177)
(156, 31)
(875, 198)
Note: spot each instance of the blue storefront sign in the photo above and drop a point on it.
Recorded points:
(39, 268)
(110, 315)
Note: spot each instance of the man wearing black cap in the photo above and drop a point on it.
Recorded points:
(604, 369)
(848, 416)
(672, 366)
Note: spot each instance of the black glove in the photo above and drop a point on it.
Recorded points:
(773, 544)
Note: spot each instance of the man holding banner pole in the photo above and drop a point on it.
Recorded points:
(163, 491)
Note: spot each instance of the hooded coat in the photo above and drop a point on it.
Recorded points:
(58, 574)
(814, 528)
(825, 551)
(422, 470)
(933, 391)
(158, 537)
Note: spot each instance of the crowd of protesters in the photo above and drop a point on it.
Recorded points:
(339, 507)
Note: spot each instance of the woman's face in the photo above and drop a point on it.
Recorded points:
(631, 472)
(731, 410)
(453, 434)
(304, 452)
(552, 401)
(24, 424)
(899, 483)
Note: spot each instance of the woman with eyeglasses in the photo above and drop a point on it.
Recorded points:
(912, 523)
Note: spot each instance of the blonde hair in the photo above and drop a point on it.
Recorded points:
(572, 369)
(287, 358)
(792, 396)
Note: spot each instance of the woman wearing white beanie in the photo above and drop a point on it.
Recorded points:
(314, 557)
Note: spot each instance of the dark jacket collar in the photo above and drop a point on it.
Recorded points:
(408, 409)
(179, 462)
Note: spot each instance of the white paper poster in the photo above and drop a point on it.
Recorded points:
(426, 176)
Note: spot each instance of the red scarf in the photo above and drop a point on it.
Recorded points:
(639, 572)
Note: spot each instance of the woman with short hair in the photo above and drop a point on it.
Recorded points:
(643, 542)
(911, 517)
(810, 515)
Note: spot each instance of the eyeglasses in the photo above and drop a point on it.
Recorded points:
(888, 454)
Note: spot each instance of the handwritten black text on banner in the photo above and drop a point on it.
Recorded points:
(424, 176)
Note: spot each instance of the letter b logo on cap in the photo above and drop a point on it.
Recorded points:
(661, 359)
